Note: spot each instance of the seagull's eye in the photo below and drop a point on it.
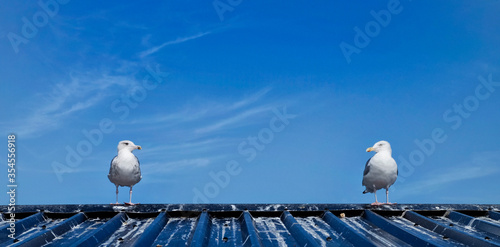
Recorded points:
(126, 143)
(380, 144)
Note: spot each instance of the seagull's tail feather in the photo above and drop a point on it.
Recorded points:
(367, 191)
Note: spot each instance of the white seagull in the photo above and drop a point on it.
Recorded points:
(125, 169)
(381, 170)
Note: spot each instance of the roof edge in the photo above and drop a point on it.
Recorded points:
(241, 207)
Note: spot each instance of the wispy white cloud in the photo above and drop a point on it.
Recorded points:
(238, 118)
(480, 165)
(456, 175)
(189, 149)
(232, 120)
(184, 115)
(64, 99)
(208, 111)
(252, 98)
(172, 42)
(168, 167)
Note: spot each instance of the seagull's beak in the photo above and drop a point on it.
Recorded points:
(369, 149)
(139, 147)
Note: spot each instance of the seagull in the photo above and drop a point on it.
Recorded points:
(381, 171)
(125, 169)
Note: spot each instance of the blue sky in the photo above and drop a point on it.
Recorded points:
(251, 101)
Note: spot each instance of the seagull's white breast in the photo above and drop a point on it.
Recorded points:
(383, 172)
(125, 170)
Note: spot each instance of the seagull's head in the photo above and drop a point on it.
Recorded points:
(380, 146)
(127, 145)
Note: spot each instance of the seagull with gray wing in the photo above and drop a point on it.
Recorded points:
(381, 170)
(125, 168)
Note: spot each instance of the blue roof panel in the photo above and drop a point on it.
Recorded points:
(252, 225)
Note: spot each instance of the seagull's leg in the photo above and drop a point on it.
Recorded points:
(116, 195)
(130, 196)
(387, 197)
(376, 203)
(130, 200)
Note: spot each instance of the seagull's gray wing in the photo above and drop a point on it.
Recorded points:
(111, 168)
(367, 167)
(367, 170)
(138, 168)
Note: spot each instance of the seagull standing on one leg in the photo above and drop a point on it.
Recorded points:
(125, 168)
(381, 170)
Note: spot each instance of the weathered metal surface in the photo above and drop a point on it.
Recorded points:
(252, 225)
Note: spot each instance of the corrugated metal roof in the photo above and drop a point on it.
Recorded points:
(252, 225)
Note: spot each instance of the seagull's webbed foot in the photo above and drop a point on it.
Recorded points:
(377, 204)
(390, 203)
(130, 204)
(115, 203)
